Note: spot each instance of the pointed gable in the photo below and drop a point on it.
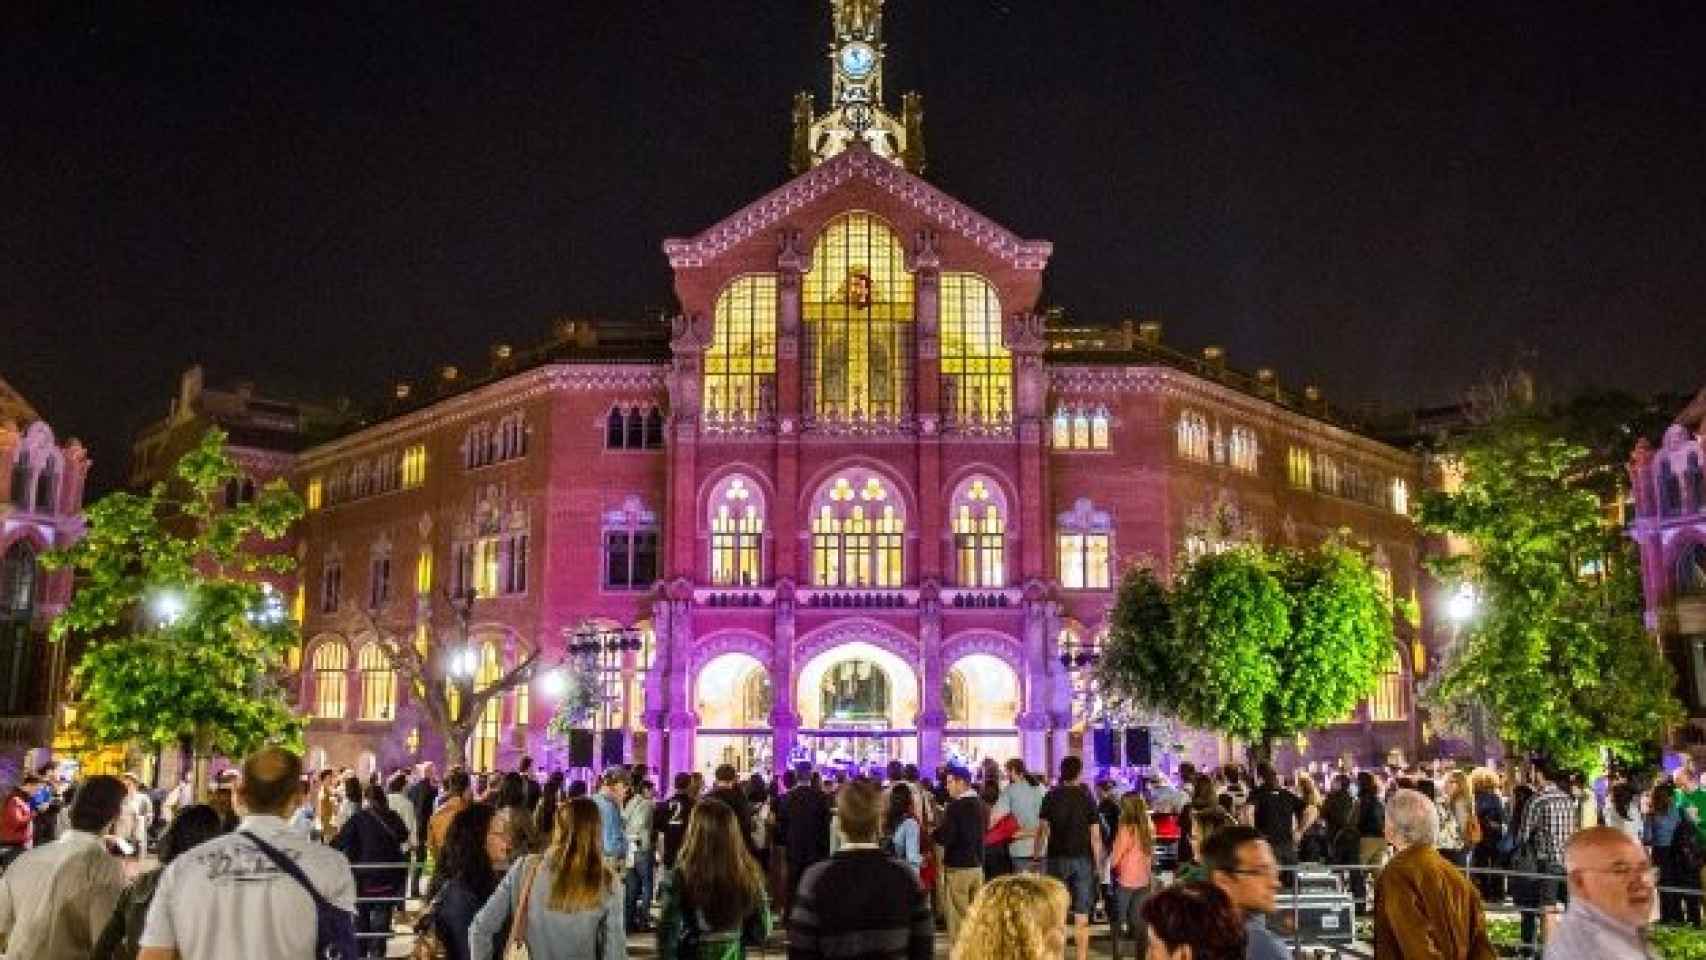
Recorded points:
(858, 165)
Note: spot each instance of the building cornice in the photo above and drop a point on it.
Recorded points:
(488, 399)
(1168, 381)
(771, 209)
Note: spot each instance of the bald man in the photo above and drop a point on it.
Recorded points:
(1611, 899)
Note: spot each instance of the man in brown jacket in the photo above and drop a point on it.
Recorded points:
(1423, 907)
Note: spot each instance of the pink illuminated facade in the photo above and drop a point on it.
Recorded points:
(1669, 528)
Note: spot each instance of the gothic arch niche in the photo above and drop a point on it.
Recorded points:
(857, 306)
(20, 585)
(735, 517)
(978, 524)
(858, 531)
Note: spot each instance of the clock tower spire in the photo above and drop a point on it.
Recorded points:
(856, 111)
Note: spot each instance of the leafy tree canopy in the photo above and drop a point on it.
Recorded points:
(185, 639)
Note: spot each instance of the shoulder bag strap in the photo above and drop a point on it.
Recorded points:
(289, 867)
(518, 929)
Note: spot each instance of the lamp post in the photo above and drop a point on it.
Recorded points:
(1079, 657)
(463, 661)
(606, 647)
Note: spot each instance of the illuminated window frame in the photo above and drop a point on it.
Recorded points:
(331, 680)
(737, 533)
(1192, 436)
(414, 466)
(858, 529)
(1389, 703)
(976, 366)
(1079, 427)
(378, 684)
(1084, 549)
(740, 366)
(857, 306)
(483, 746)
(1400, 495)
(1299, 468)
(315, 496)
(1243, 450)
(978, 518)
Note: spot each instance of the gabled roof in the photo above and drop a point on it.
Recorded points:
(14, 407)
(858, 163)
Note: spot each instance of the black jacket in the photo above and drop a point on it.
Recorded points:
(960, 833)
(806, 814)
(375, 836)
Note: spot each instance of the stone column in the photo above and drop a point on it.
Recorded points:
(1024, 337)
(926, 265)
(1040, 679)
(791, 264)
(784, 712)
(680, 721)
(932, 717)
(691, 337)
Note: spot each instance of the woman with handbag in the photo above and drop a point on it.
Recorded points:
(478, 840)
(566, 903)
(714, 901)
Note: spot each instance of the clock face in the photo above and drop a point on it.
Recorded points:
(858, 59)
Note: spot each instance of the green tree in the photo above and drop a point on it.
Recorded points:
(185, 640)
(1556, 652)
(1250, 644)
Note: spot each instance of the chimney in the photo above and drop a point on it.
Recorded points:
(1150, 331)
(1267, 384)
(586, 334)
(447, 378)
(189, 388)
(1128, 333)
(402, 390)
(502, 357)
(1214, 357)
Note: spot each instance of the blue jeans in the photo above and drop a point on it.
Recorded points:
(1079, 875)
(637, 891)
(1125, 921)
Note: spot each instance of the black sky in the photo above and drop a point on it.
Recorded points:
(1383, 198)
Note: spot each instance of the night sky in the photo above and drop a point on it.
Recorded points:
(1388, 199)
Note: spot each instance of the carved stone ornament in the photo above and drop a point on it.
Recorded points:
(924, 255)
(792, 254)
(1024, 333)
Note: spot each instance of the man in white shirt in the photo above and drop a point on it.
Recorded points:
(226, 898)
(55, 899)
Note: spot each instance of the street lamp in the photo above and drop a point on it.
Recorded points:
(1460, 608)
(605, 646)
(168, 606)
(1079, 656)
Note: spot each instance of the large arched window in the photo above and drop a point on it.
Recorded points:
(18, 582)
(858, 311)
(858, 528)
(980, 534)
(1192, 436)
(331, 681)
(740, 366)
(1388, 702)
(737, 533)
(378, 684)
(977, 369)
(1691, 571)
(484, 750)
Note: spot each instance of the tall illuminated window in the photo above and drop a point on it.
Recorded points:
(331, 586)
(1061, 432)
(1077, 427)
(523, 704)
(1298, 467)
(1084, 547)
(857, 304)
(1193, 438)
(737, 533)
(414, 466)
(1387, 702)
(1243, 451)
(484, 749)
(331, 680)
(491, 566)
(858, 529)
(1400, 495)
(423, 571)
(979, 535)
(378, 684)
(740, 366)
(1328, 479)
(977, 369)
(316, 496)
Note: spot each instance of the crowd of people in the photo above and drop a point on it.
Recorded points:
(996, 862)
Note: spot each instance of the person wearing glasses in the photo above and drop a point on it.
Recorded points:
(1611, 899)
(1423, 905)
(1240, 862)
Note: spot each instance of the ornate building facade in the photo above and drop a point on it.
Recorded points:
(1669, 527)
(865, 502)
(41, 498)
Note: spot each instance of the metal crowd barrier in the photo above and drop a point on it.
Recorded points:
(401, 936)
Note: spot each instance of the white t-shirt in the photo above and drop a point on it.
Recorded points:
(226, 898)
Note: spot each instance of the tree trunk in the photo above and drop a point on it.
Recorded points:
(203, 749)
(456, 738)
(1259, 752)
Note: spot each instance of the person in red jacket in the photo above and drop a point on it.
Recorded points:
(16, 825)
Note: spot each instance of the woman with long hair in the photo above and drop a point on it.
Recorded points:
(545, 814)
(1490, 817)
(194, 825)
(375, 835)
(715, 903)
(1312, 839)
(510, 798)
(900, 829)
(1021, 916)
(468, 872)
(1130, 864)
(1194, 921)
(997, 862)
(1207, 815)
(565, 903)
(1458, 827)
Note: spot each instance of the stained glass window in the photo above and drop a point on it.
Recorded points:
(977, 369)
(740, 366)
(857, 303)
(858, 529)
(979, 535)
(737, 533)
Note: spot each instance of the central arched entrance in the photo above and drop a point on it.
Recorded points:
(981, 699)
(857, 704)
(732, 699)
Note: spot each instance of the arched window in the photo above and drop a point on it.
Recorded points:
(636, 429)
(1061, 434)
(331, 585)
(1299, 468)
(737, 533)
(1085, 549)
(47, 488)
(18, 583)
(1243, 451)
(1400, 495)
(614, 437)
(1388, 701)
(630, 547)
(1691, 571)
(1327, 476)
(21, 480)
(980, 534)
(857, 304)
(1192, 430)
(654, 429)
(858, 528)
(1080, 428)
(484, 749)
(331, 681)
(378, 684)
(740, 366)
(977, 369)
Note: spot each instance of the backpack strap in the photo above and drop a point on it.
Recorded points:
(291, 870)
